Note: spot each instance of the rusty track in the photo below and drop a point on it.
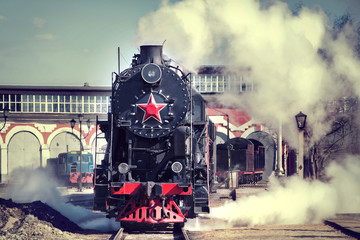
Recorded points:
(185, 234)
(164, 234)
(119, 235)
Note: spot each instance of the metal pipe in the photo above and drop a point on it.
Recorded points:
(279, 167)
(119, 61)
(80, 183)
(300, 161)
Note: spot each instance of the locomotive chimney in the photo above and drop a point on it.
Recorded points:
(151, 54)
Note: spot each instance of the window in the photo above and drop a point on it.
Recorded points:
(37, 107)
(202, 83)
(208, 83)
(61, 107)
(226, 83)
(31, 107)
(220, 83)
(73, 107)
(25, 107)
(55, 108)
(214, 82)
(104, 108)
(41, 103)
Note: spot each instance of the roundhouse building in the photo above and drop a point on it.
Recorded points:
(38, 124)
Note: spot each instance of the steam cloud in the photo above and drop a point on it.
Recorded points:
(38, 185)
(281, 49)
(297, 62)
(297, 201)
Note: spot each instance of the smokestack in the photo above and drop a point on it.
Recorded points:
(151, 54)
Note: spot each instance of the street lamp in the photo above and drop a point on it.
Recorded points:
(5, 115)
(72, 124)
(301, 122)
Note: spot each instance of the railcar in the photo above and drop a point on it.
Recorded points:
(66, 168)
(244, 157)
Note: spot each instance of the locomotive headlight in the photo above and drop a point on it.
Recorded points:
(151, 73)
(176, 167)
(123, 168)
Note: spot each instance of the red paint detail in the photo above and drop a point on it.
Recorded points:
(87, 177)
(168, 189)
(151, 109)
(151, 211)
(175, 189)
(127, 189)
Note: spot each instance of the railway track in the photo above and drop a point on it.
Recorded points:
(148, 234)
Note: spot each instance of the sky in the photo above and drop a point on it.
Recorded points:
(68, 43)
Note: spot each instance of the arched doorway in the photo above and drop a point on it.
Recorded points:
(24, 151)
(64, 142)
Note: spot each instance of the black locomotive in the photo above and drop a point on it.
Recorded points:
(156, 169)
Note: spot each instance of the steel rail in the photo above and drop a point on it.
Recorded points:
(119, 235)
(185, 234)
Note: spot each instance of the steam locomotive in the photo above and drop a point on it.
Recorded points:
(156, 168)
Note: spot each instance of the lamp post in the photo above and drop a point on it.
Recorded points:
(279, 166)
(301, 122)
(5, 115)
(72, 124)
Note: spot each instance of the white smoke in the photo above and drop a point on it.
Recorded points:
(37, 185)
(296, 63)
(280, 48)
(298, 201)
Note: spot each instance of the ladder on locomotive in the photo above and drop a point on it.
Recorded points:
(100, 188)
(201, 187)
(97, 138)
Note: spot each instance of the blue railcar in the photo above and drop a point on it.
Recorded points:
(66, 168)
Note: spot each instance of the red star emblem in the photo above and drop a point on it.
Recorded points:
(151, 109)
